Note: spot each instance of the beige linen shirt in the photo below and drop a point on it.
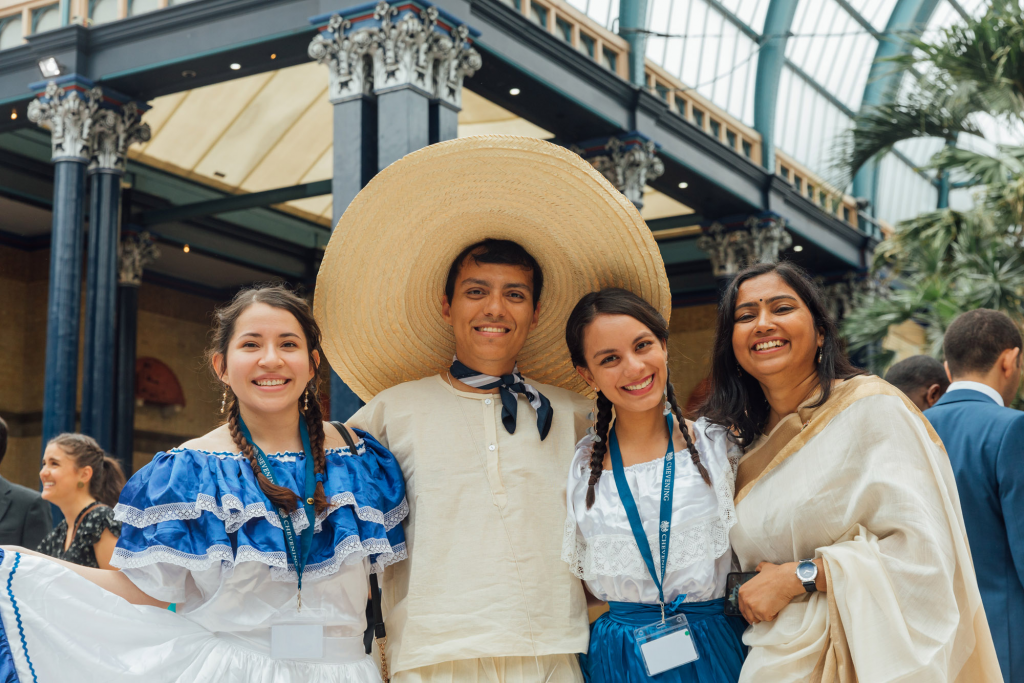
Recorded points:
(484, 576)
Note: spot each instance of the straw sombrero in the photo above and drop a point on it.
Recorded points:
(378, 293)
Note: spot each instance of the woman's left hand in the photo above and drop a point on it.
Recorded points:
(764, 596)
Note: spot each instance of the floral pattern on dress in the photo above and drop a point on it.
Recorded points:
(90, 529)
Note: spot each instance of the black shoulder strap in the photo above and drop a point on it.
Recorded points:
(378, 616)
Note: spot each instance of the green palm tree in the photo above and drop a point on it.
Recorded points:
(942, 263)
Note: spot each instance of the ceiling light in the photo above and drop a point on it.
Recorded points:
(513, 91)
(236, 66)
(273, 55)
(798, 248)
(49, 67)
(188, 73)
(683, 186)
(185, 249)
(14, 114)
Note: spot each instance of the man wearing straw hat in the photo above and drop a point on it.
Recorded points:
(443, 295)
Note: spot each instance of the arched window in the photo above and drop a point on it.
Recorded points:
(10, 32)
(46, 19)
(102, 11)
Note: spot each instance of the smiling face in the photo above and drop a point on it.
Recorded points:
(774, 333)
(60, 476)
(491, 314)
(267, 364)
(626, 362)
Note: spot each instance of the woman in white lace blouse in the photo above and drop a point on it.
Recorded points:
(648, 522)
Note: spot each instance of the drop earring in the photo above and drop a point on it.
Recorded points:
(305, 403)
(668, 406)
(592, 429)
(739, 371)
(819, 355)
(224, 400)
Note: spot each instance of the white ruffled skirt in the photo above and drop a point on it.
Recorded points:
(58, 627)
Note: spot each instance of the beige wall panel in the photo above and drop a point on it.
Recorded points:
(301, 147)
(316, 206)
(13, 299)
(322, 169)
(691, 335)
(260, 126)
(21, 464)
(201, 119)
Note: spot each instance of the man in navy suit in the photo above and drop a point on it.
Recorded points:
(985, 442)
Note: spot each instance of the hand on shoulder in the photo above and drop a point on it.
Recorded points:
(334, 439)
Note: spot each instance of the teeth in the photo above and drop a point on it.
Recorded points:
(270, 382)
(643, 385)
(492, 329)
(763, 346)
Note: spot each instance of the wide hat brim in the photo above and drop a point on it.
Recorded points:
(379, 289)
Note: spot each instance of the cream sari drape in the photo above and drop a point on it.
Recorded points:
(864, 483)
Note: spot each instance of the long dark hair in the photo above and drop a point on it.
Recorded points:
(107, 476)
(736, 400)
(613, 301)
(224, 328)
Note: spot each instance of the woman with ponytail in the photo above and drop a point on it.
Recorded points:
(649, 506)
(262, 533)
(84, 482)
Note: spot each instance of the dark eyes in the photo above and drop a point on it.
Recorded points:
(783, 308)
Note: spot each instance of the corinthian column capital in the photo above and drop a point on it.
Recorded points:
(69, 114)
(412, 45)
(134, 253)
(113, 132)
(628, 161)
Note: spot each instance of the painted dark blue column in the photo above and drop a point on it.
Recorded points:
(444, 121)
(403, 124)
(632, 27)
(64, 299)
(100, 307)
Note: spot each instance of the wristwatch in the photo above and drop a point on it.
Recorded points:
(807, 573)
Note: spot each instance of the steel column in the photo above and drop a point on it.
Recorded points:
(124, 413)
(632, 27)
(403, 124)
(64, 301)
(770, 60)
(100, 307)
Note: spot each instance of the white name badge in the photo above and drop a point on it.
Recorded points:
(297, 641)
(666, 645)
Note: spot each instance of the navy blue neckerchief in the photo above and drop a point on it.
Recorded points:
(298, 552)
(665, 523)
(508, 386)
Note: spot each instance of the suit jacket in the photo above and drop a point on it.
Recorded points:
(24, 516)
(985, 442)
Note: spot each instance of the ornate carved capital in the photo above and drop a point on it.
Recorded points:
(628, 162)
(134, 253)
(69, 115)
(399, 46)
(841, 296)
(114, 131)
(759, 240)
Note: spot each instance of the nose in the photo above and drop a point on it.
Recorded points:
(494, 305)
(270, 357)
(764, 322)
(634, 366)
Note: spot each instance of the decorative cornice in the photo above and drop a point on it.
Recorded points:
(69, 115)
(135, 251)
(395, 46)
(758, 240)
(628, 162)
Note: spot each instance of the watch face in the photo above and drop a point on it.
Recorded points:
(806, 571)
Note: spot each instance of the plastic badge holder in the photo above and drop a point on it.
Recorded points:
(666, 645)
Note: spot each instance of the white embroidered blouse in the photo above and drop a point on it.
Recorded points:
(598, 543)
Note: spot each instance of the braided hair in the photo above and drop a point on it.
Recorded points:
(311, 411)
(614, 301)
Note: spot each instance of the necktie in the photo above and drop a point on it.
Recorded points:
(508, 386)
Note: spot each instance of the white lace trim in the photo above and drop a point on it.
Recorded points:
(232, 513)
(350, 551)
(389, 520)
(284, 456)
(619, 555)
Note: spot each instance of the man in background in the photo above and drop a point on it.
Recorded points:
(922, 378)
(24, 515)
(985, 442)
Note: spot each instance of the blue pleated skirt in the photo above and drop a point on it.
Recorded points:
(614, 656)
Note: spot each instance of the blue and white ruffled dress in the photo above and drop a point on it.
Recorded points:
(198, 532)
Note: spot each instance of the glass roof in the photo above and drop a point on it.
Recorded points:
(712, 47)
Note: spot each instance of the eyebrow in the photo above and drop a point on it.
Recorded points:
(771, 300)
(485, 283)
(260, 336)
(638, 338)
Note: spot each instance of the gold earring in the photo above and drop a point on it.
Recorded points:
(81, 484)
(224, 401)
(305, 404)
(819, 355)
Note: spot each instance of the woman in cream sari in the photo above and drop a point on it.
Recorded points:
(846, 505)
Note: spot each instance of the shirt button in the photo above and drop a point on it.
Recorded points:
(491, 447)
(487, 401)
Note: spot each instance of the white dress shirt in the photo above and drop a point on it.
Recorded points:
(977, 386)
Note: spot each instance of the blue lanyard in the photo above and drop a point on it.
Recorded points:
(665, 523)
(297, 552)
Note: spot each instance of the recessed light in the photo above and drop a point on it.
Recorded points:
(683, 186)
(185, 249)
(513, 91)
(14, 114)
(236, 66)
(273, 55)
(798, 248)
(188, 73)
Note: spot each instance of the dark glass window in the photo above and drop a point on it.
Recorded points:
(799, 182)
(662, 91)
(716, 128)
(698, 117)
(730, 139)
(747, 149)
(586, 44)
(785, 172)
(539, 15)
(610, 58)
(563, 29)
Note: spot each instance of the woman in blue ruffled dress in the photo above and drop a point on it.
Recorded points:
(262, 533)
(650, 506)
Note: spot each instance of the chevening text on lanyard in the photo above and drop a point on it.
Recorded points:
(664, 644)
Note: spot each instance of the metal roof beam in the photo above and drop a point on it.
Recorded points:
(235, 203)
(777, 24)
